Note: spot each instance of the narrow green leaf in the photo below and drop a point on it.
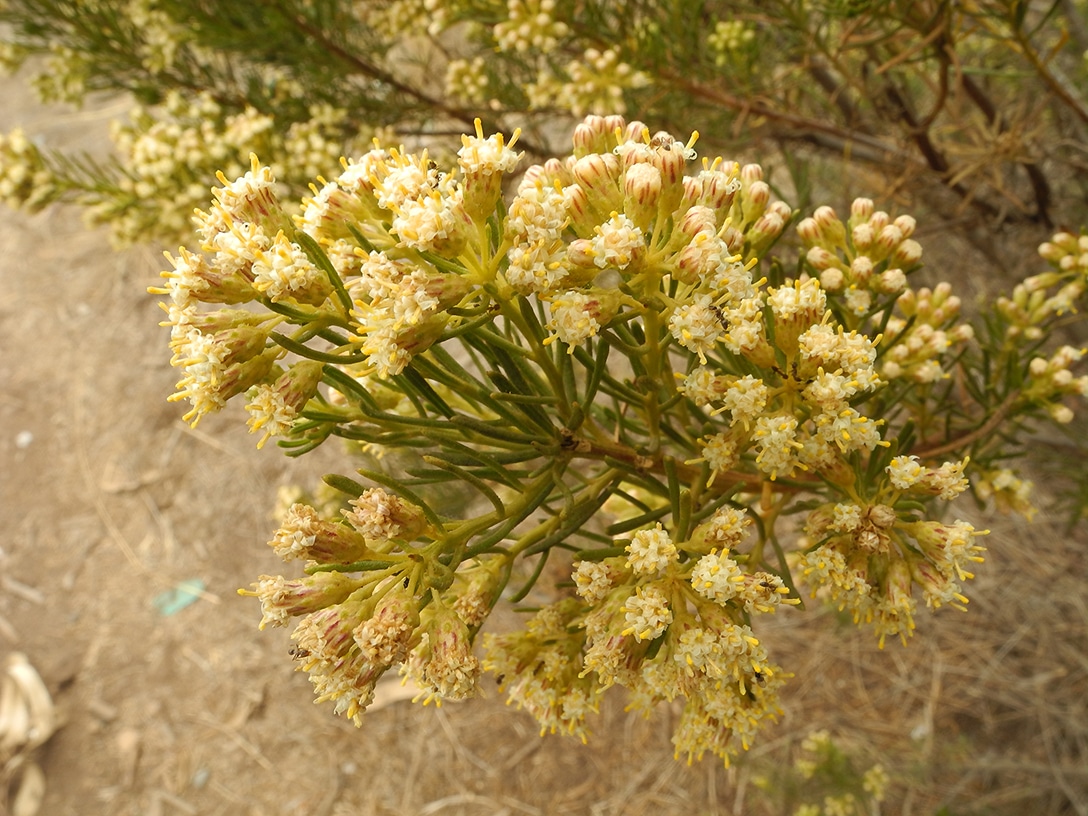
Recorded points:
(313, 354)
(354, 566)
(599, 554)
(471, 479)
(492, 431)
(345, 485)
(319, 259)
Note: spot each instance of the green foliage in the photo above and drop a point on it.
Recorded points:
(981, 100)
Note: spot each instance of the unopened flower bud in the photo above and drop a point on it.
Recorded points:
(942, 292)
(906, 225)
(879, 220)
(832, 279)
(546, 174)
(888, 238)
(1043, 281)
(862, 237)
(580, 210)
(781, 209)
(908, 302)
(732, 237)
(961, 333)
(597, 174)
(671, 159)
(766, 230)
(756, 198)
(861, 210)
(946, 311)
(1066, 240)
(822, 259)
(861, 269)
(831, 228)
(642, 192)
(751, 173)
(908, 253)
(1051, 251)
(635, 131)
(596, 134)
(892, 281)
(1060, 413)
(808, 231)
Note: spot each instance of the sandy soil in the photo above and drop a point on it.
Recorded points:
(108, 501)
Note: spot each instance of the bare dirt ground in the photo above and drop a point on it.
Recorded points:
(108, 501)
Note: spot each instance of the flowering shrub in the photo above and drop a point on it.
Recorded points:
(638, 378)
(982, 100)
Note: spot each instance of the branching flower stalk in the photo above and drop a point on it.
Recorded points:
(616, 361)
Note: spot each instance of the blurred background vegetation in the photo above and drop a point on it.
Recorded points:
(975, 108)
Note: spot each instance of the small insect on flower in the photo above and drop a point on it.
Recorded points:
(717, 310)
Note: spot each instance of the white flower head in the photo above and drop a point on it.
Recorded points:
(650, 551)
(716, 577)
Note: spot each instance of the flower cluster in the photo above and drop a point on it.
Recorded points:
(593, 84)
(605, 340)
(170, 154)
(25, 181)
(1009, 491)
(864, 264)
(1036, 301)
(868, 552)
(1051, 379)
(390, 612)
(828, 775)
(729, 38)
(467, 80)
(530, 26)
(667, 620)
